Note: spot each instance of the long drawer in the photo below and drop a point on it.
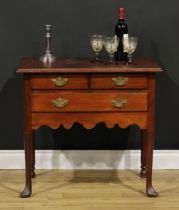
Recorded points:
(41, 82)
(88, 102)
(118, 82)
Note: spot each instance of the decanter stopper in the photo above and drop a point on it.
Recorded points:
(48, 57)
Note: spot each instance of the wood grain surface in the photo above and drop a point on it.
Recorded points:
(45, 82)
(88, 102)
(106, 82)
(75, 65)
(122, 119)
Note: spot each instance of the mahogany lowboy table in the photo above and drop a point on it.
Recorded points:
(77, 90)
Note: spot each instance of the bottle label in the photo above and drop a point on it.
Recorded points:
(125, 36)
(125, 42)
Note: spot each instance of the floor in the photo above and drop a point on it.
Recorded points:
(89, 190)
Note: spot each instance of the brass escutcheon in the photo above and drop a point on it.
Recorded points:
(59, 81)
(119, 102)
(119, 81)
(60, 102)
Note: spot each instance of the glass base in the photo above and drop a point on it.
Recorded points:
(48, 58)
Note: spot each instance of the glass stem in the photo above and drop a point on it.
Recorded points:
(96, 56)
(111, 58)
(129, 58)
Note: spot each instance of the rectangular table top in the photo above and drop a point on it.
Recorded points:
(84, 65)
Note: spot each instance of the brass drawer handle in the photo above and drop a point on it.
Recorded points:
(119, 81)
(119, 102)
(60, 102)
(59, 81)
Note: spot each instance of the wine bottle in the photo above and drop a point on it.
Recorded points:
(121, 28)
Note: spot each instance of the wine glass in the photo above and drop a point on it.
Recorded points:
(129, 46)
(111, 45)
(97, 42)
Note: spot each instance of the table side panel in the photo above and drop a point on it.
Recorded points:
(89, 120)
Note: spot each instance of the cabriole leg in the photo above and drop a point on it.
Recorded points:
(150, 143)
(33, 175)
(28, 148)
(143, 172)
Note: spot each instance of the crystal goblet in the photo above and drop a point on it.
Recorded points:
(111, 45)
(97, 42)
(129, 46)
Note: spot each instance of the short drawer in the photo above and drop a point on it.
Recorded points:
(88, 102)
(59, 82)
(118, 82)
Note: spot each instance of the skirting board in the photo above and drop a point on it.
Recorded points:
(88, 159)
